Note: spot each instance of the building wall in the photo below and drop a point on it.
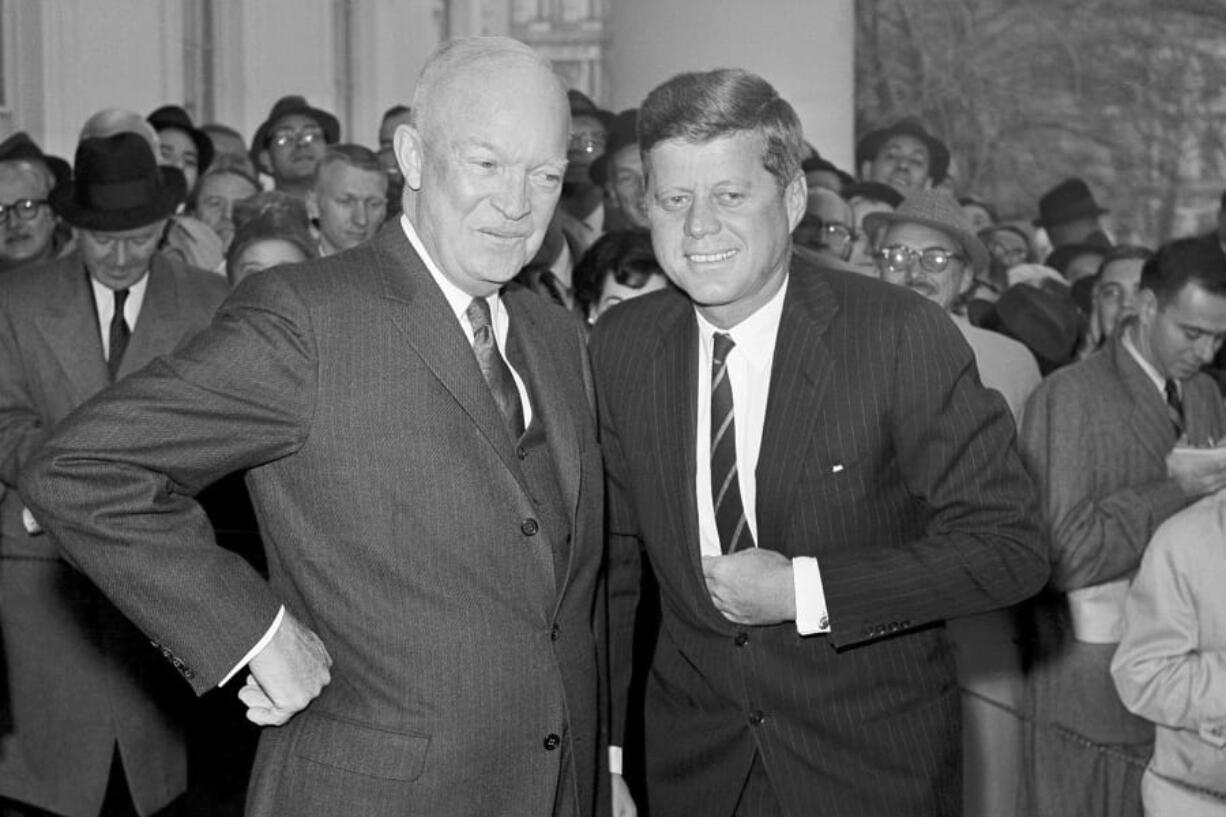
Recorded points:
(67, 58)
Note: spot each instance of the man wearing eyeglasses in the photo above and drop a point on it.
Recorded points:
(28, 231)
(929, 246)
(291, 143)
(827, 228)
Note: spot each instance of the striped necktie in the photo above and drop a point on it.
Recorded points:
(1174, 408)
(494, 368)
(730, 521)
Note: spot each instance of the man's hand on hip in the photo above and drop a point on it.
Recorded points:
(752, 586)
(289, 673)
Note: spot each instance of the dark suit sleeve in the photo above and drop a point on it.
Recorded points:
(954, 442)
(21, 429)
(114, 484)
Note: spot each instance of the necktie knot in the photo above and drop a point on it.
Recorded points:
(479, 315)
(1174, 406)
(723, 345)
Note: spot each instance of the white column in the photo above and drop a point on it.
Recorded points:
(805, 48)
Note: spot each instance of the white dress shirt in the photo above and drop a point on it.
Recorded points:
(104, 304)
(749, 373)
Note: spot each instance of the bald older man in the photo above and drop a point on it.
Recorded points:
(423, 460)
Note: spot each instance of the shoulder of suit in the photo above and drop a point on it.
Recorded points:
(642, 321)
(39, 282)
(1095, 377)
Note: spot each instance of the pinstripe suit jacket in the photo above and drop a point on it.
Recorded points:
(884, 458)
(398, 523)
(81, 677)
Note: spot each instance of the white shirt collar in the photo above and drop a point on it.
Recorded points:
(457, 298)
(754, 336)
(1146, 366)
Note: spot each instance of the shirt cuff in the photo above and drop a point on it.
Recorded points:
(615, 760)
(254, 651)
(811, 617)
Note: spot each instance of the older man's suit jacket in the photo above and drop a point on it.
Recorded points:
(399, 526)
(1095, 436)
(81, 677)
(883, 457)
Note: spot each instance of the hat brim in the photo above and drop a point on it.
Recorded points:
(64, 203)
(968, 241)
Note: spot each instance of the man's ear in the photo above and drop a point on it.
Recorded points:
(795, 199)
(1147, 306)
(407, 145)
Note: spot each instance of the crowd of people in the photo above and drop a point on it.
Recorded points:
(560, 461)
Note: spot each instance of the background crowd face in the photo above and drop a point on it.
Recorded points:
(297, 159)
(1115, 294)
(587, 141)
(350, 203)
(720, 224)
(484, 171)
(1182, 335)
(942, 287)
(262, 255)
(629, 184)
(22, 239)
(903, 163)
(215, 202)
(176, 149)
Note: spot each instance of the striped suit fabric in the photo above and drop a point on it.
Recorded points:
(883, 457)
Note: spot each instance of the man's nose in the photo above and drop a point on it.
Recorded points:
(702, 220)
(513, 200)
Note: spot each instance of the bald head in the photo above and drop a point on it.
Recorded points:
(464, 66)
(110, 121)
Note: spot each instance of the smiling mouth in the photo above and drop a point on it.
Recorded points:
(710, 258)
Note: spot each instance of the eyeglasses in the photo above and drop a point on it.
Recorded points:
(585, 143)
(304, 137)
(26, 209)
(815, 232)
(899, 258)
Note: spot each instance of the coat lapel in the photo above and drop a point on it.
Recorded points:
(157, 329)
(429, 326)
(1149, 419)
(672, 390)
(70, 329)
(800, 373)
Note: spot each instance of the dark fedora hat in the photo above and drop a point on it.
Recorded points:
(938, 154)
(20, 146)
(117, 185)
(623, 132)
(1046, 321)
(1070, 200)
(289, 106)
(172, 116)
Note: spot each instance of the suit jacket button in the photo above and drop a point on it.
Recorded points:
(521, 452)
(869, 630)
(552, 742)
(529, 527)
(554, 633)
(742, 638)
(756, 717)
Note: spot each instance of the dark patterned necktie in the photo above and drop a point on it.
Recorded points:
(730, 521)
(494, 368)
(119, 334)
(1174, 408)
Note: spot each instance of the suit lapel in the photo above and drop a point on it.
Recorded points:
(800, 373)
(672, 389)
(429, 326)
(1149, 419)
(70, 329)
(157, 330)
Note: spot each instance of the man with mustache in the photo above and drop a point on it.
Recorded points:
(28, 231)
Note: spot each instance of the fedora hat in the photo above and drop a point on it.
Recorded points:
(172, 116)
(1070, 200)
(288, 106)
(936, 209)
(20, 146)
(938, 154)
(623, 132)
(117, 185)
(1046, 321)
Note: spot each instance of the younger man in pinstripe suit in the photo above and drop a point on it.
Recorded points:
(818, 478)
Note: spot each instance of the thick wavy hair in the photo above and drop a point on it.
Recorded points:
(698, 107)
